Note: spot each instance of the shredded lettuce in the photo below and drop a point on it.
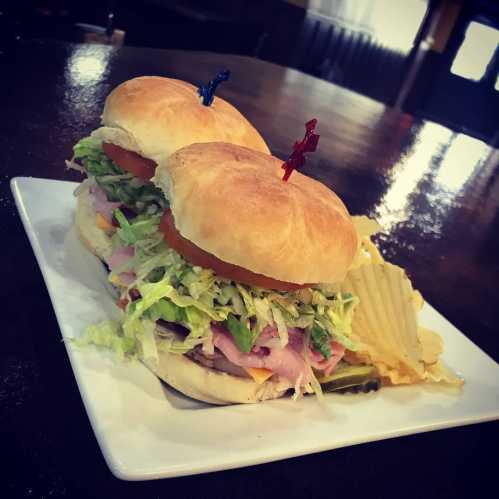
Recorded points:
(321, 340)
(119, 186)
(107, 334)
(141, 227)
(241, 334)
(282, 329)
(263, 313)
(337, 319)
(170, 342)
(147, 341)
(166, 310)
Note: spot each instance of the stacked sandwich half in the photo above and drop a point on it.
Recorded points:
(235, 286)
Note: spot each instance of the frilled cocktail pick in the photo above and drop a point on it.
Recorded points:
(207, 92)
(308, 144)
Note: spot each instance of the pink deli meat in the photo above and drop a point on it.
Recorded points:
(286, 362)
(119, 258)
(101, 204)
(320, 363)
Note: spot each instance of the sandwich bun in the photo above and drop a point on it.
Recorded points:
(154, 116)
(93, 237)
(211, 385)
(231, 202)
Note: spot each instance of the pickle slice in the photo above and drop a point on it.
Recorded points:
(350, 378)
(370, 385)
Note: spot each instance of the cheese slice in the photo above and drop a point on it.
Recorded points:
(259, 374)
(102, 223)
(115, 279)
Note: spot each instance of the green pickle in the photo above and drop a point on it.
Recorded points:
(351, 379)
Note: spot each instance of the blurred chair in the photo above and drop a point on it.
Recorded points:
(457, 83)
(349, 57)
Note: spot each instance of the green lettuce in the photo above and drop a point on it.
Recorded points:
(96, 163)
(320, 340)
(141, 227)
(109, 335)
(119, 186)
(241, 333)
(166, 310)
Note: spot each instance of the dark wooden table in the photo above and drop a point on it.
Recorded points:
(435, 192)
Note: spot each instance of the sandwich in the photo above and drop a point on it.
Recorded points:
(231, 295)
(246, 287)
(144, 121)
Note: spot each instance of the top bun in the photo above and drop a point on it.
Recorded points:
(155, 116)
(232, 202)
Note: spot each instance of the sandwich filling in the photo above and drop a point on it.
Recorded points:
(219, 315)
(127, 184)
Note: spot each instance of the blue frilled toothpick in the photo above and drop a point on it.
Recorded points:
(207, 92)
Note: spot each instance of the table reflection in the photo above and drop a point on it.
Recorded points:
(84, 82)
(429, 178)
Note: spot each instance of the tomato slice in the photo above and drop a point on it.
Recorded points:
(197, 256)
(130, 161)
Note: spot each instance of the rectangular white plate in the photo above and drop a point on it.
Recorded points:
(146, 430)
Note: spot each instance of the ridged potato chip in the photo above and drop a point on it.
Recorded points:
(367, 253)
(432, 345)
(385, 322)
(440, 373)
(365, 226)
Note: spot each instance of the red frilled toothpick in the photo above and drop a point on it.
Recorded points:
(308, 144)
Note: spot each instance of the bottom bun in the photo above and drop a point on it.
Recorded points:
(93, 237)
(211, 385)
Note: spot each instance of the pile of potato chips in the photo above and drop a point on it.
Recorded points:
(385, 323)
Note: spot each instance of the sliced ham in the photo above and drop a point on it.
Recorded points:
(286, 362)
(101, 203)
(119, 258)
(268, 338)
(126, 278)
(320, 363)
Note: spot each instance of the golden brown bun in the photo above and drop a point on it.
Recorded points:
(210, 385)
(231, 201)
(94, 238)
(155, 116)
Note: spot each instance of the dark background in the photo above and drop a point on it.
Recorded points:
(368, 46)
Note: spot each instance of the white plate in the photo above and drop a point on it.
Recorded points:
(146, 430)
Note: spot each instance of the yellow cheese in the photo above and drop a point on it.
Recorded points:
(259, 374)
(115, 279)
(102, 223)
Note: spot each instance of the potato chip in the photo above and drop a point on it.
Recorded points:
(418, 300)
(365, 226)
(432, 345)
(367, 252)
(440, 373)
(385, 320)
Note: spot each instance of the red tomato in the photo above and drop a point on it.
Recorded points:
(130, 161)
(197, 256)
